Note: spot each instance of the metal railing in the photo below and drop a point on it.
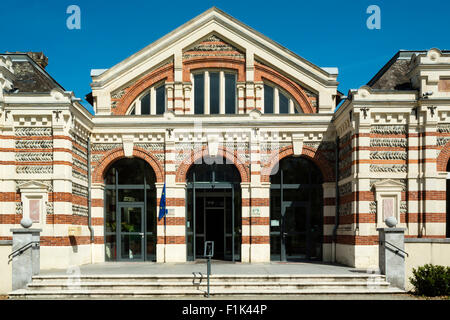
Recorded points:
(398, 249)
(22, 249)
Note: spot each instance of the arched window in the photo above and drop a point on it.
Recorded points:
(150, 102)
(214, 92)
(278, 101)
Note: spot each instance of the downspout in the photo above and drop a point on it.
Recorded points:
(91, 230)
(336, 206)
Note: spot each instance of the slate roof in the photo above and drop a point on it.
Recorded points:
(30, 77)
(393, 76)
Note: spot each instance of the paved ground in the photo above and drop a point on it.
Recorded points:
(218, 267)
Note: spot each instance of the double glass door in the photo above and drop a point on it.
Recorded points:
(295, 235)
(212, 216)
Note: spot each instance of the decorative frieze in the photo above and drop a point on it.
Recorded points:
(79, 152)
(386, 129)
(441, 141)
(26, 169)
(79, 210)
(388, 142)
(19, 208)
(33, 156)
(312, 144)
(79, 164)
(34, 144)
(345, 189)
(82, 142)
(105, 146)
(388, 155)
(32, 131)
(151, 146)
(403, 207)
(388, 168)
(373, 207)
(443, 128)
(50, 208)
(79, 190)
(78, 175)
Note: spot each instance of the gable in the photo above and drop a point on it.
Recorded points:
(215, 35)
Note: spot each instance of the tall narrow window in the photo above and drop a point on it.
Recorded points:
(145, 104)
(284, 103)
(230, 96)
(160, 100)
(199, 98)
(214, 92)
(268, 99)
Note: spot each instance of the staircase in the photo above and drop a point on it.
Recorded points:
(141, 286)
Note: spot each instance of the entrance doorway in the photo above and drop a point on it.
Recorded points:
(296, 211)
(214, 210)
(130, 211)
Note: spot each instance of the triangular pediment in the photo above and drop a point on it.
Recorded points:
(32, 185)
(212, 31)
(388, 183)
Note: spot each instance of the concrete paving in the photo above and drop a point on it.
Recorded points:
(218, 267)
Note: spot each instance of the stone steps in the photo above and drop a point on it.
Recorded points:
(122, 286)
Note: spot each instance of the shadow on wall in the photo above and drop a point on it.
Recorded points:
(424, 251)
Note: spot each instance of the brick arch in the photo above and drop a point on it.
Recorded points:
(443, 157)
(223, 152)
(263, 72)
(117, 154)
(164, 72)
(214, 62)
(308, 153)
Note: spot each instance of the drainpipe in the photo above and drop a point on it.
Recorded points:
(336, 206)
(91, 230)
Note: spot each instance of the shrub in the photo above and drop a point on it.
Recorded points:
(431, 280)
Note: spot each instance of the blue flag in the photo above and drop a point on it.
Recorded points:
(162, 204)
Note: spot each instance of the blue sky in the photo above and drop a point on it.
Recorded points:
(327, 33)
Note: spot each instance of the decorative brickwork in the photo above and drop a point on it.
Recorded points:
(116, 154)
(222, 152)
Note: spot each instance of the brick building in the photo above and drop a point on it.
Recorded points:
(246, 138)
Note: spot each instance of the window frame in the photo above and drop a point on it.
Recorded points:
(276, 111)
(207, 90)
(153, 109)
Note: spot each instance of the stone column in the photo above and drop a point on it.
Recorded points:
(391, 259)
(25, 264)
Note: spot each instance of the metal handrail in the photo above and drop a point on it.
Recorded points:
(398, 249)
(23, 248)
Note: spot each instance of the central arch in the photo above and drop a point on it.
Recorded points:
(213, 209)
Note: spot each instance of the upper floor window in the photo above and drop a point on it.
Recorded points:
(214, 92)
(278, 101)
(151, 101)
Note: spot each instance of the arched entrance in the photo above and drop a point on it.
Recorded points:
(296, 211)
(213, 209)
(130, 211)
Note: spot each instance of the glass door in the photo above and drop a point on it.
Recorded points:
(294, 231)
(131, 232)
